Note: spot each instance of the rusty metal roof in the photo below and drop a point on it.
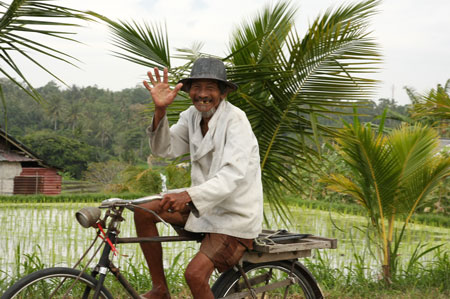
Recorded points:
(15, 157)
(15, 151)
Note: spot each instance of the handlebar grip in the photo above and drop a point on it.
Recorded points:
(114, 200)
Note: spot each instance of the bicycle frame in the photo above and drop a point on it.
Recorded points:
(114, 211)
(285, 251)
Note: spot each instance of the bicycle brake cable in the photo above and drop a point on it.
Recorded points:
(105, 238)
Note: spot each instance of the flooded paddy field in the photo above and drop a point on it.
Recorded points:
(52, 233)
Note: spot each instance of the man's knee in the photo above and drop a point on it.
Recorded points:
(141, 215)
(192, 277)
(199, 270)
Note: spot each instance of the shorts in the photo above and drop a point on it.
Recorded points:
(223, 250)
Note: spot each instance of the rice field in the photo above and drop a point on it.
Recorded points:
(52, 233)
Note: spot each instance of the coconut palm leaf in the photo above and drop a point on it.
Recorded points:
(288, 81)
(435, 103)
(20, 21)
(392, 175)
(376, 171)
(146, 44)
(432, 107)
(410, 148)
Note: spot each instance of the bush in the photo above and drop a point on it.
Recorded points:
(105, 173)
(139, 179)
(177, 177)
(62, 152)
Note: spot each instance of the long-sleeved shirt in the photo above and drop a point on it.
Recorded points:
(226, 185)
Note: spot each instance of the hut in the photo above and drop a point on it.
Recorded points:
(23, 172)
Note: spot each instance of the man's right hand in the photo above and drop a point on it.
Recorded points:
(161, 93)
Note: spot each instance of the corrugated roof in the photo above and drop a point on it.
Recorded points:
(19, 149)
(15, 157)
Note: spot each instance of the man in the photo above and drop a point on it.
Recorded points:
(226, 189)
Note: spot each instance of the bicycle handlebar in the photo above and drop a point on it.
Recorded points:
(118, 201)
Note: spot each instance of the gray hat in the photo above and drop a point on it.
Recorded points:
(208, 68)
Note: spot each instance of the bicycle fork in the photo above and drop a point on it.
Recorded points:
(101, 268)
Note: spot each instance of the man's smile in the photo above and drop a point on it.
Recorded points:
(203, 101)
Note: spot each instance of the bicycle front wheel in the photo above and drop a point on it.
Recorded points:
(55, 283)
(283, 279)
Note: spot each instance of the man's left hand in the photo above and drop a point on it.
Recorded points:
(177, 202)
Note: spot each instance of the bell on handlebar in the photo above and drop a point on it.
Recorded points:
(88, 216)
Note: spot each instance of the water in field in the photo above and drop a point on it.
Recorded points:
(52, 233)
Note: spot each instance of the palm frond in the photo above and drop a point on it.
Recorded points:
(21, 22)
(287, 81)
(415, 150)
(422, 183)
(412, 147)
(146, 44)
(369, 155)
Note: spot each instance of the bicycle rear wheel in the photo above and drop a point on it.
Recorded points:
(282, 279)
(55, 283)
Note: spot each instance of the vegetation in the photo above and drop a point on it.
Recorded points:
(432, 107)
(104, 125)
(391, 176)
(68, 198)
(62, 152)
(417, 280)
(22, 24)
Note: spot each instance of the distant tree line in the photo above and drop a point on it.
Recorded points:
(79, 125)
(76, 126)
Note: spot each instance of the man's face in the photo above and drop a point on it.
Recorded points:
(205, 95)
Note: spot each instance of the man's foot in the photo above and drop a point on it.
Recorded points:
(156, 294)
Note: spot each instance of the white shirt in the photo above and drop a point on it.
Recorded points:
(226, 184)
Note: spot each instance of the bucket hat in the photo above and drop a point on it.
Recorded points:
(208, 68)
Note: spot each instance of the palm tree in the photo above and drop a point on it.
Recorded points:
(22, 23)
(432, 107)
(54, 107)
(391, 177)
(74, 114)
(287, 82)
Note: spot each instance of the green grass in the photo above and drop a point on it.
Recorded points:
(421, 281)
(430, 280)
(66, 198)
(438, 220)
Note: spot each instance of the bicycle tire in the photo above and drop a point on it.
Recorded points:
(262, 274)
(42, 283)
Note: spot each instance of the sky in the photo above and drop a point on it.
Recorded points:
(414, 37)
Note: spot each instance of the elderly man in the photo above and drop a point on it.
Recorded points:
(226, 190)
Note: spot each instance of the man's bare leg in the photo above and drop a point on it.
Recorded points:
(146, 227)
(197, 276)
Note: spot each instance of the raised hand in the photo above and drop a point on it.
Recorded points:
(161, 93)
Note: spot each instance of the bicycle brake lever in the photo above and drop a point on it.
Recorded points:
(152, 212)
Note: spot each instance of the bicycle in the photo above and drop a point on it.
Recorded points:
(270, 270)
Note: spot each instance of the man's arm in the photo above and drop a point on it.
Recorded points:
(157, 117)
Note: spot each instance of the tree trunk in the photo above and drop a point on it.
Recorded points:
(387, 275)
